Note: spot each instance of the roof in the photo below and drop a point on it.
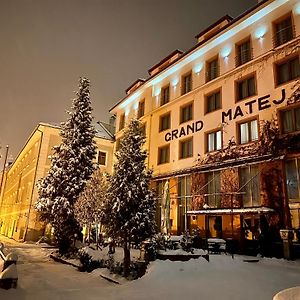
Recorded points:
(231, 23)
(141, 80)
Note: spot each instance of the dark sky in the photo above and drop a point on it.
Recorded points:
(46, 45)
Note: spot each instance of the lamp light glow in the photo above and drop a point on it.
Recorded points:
(175, 81)
(260, 31)
(297, 8)
(198, 68)
(225, 52)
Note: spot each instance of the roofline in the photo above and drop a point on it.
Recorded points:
(177, 51)
(133, 84)
(107, 131)
(226, 17)
(261, 3)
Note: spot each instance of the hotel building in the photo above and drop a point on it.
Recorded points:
(222, 124)
(18, 218)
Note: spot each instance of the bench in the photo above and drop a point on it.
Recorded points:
(8, 269)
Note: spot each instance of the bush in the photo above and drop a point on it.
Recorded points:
(87, 264)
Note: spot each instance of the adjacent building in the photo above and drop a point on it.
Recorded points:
(222, 124)
(18, 218)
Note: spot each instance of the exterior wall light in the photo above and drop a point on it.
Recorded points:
(225, 52)
(297, 9)
(198, 68)
(175, 82)
(260, 32)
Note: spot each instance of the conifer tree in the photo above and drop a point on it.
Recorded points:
(88, 205)
(71, 166)
(129, 212)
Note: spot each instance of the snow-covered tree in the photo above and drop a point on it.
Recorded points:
(71, 166)
(88, 205)
(129, 212)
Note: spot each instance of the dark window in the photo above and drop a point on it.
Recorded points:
(249, 186)
(214, 141)
(283, 31)
(288, 70)
(214, 189)
(163, 155)
(102, 158)
(186, 148)
(165, 122)
(290, 120)
(244, 53)
(213, 102)
(212, 70)
(186, 113)
(122, 122)
(141, 109)
(248, 131)
(246, 88)
(165, 95)
(186, 83)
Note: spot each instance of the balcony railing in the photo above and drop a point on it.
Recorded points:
(283, 35)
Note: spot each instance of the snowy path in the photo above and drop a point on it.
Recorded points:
(221, 278)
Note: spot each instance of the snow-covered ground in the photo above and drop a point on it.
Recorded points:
(220, 278)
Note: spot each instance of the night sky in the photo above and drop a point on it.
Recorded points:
(46, 45)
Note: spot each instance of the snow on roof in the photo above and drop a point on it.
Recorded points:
(226, 211)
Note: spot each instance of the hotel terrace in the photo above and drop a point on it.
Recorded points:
(222, 124)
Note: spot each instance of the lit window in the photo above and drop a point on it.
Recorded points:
(122, 122)
(163, 155)
(214, 141)
(290, 120)
(244, 53)
(283, 31)
(141, 109)
(186, 83)
(212, 70)
(165, 95)
(186, 113)
(213, 180)
(287, 70)
(213, 102)
(164, 122)
(246, 88)
(186, 148)
(249, 185)
(102, 158)
(248, 131)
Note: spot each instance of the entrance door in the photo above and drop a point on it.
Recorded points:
(215, 227)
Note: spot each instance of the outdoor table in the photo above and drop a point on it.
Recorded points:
(215, 245)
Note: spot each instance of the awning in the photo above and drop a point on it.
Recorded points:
(230, 211)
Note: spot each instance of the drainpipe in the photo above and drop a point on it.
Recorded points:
(33, 186)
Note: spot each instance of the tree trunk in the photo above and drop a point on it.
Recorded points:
(126, 248)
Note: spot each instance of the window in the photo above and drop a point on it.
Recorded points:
(212, 70)
(165, 95)
(213, 102)
(292, 170)
(244, 53)
(246, 88)
(184, 198)
(290, 120)
(186, 113)
(248, 131)
(186, 148)
(287, 70)
(141, 109)
(163, 155)
(102, 158)
(214, 141)
(283, 31)
(122, 122)
(186, 83)
(165, 122)
(249, 186)
(213, 180)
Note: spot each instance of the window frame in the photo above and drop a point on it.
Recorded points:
(281, 122)
(181, 142)
(208, 72)
(141, 109)
(276, 23)
(182, 107)
(282, 62)
(168, 114)
(206, 97)
(214, 131)
(98, 159)
(238, 58)
(248, 121)
(237, 87)
(184, 90)
(159, 155)
(164, 101)
(122, 121)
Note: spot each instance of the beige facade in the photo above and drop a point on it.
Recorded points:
(18, 218)
(241, 73)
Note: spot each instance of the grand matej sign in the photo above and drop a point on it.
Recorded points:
(229, 115)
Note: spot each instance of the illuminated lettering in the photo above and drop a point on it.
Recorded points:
(168, 137)
(282, 97)
(238, 112)
(182, 132)
(174, 134)
(199, 125)
(226, 114)
(250, 106)
(263, 102)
